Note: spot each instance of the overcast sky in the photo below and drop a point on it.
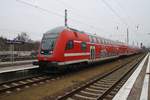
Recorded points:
(95, 16)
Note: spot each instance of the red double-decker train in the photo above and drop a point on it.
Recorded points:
(66, 46)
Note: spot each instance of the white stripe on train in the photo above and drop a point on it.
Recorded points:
(76, 54)
(86, 60)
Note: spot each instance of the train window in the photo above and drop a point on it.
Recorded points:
(83, 46)
(92, 39)
(69, 45)
(104, 41)
(110, 42)
(48, 43)
(101, 41)
(95, 40)
(107, 41)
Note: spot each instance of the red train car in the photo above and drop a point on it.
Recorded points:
(64, 46)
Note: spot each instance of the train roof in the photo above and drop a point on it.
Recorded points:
(59, 29)
(56, 30)
(90, 34)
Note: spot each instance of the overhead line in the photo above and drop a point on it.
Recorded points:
(38, 7)
(110, 7)
(122, 8)
(65, 4)
(48, 11)
(77, 10)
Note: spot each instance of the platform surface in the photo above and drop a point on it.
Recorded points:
(24, 61)
(137, 87)
(17, 68)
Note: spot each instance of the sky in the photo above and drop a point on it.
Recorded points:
(105, 18)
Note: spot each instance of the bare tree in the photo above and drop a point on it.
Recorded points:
(24, 37)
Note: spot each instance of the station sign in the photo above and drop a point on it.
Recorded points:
(14, 42)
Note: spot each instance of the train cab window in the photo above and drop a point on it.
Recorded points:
(83, 46)
(69, 45)
(48, 43)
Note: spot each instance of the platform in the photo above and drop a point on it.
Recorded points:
(17, 68)
(137, 87)
(5, 64)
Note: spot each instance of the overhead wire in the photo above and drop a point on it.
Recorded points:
(135, 25)
(75, 10)
(114, 12)
(38, 7)
(55, 13)
(122, 8)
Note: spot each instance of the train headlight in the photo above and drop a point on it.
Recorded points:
(51, 52)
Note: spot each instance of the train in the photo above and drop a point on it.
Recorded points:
(63, 46)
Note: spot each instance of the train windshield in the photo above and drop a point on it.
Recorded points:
(49, 38)
(48, 43)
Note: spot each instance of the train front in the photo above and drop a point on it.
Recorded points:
(47, 51)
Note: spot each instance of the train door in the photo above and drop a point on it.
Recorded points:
(103, 52)
(92, 53)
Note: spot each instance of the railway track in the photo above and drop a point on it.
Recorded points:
(18, 84)
(104, 86)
